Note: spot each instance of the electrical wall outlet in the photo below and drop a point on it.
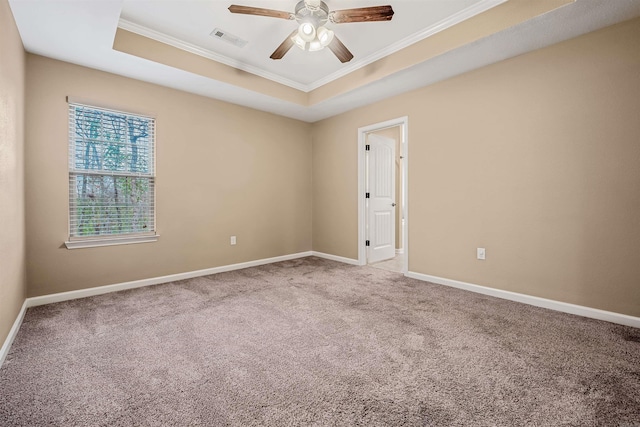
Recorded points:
(481, 253)
(233, 240)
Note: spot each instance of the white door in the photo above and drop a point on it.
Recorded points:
(381, 180)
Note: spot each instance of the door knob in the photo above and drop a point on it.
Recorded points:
(393, 204)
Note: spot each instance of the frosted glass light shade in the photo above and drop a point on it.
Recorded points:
(307, 32)
(298, 41)
(315, 46)
(325, 36)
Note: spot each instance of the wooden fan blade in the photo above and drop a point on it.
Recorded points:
(248, 10)
(363, 14)
(284, 47)
(340, 50)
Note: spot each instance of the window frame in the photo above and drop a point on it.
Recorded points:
(79, 242)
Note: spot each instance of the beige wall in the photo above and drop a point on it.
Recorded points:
(536, 158)
(395, 133)
(222, 170)
(12, 232)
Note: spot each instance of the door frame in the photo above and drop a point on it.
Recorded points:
(403, 122)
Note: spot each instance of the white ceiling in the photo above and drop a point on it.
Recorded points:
(82, 32)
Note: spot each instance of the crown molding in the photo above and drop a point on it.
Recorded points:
(206, 53)
(452, 20)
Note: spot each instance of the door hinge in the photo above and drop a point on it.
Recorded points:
(367, 147)
(366, 243)
(366, 195)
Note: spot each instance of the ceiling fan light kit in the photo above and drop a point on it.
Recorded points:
(312, 15)
(308, 38)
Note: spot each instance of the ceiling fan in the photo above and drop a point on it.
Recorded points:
(312, 15)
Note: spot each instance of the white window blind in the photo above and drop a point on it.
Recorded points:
(111, 173)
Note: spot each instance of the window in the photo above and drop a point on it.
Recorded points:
(111, 177)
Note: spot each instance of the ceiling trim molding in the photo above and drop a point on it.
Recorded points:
(452, 20)
(172, 41)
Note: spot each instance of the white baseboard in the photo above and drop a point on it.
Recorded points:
(594, 313)
(400, 251)
(336, 258)
(564, 307)
(83, 293)
(12, 333)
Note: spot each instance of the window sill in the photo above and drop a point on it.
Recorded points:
(110, 241)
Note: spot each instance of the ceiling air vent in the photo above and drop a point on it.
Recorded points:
(217, 33)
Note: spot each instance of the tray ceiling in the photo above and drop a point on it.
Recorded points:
(390, 57)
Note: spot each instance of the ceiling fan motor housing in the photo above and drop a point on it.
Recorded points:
(317, 13)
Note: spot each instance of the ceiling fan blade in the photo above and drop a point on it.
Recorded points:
(284, 47)
(340, 50)
(363, 14)
(248, 10)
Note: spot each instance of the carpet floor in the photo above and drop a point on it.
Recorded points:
(316, 342)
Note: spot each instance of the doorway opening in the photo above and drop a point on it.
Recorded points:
(382, 195)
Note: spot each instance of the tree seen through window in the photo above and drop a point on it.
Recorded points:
(111, 173)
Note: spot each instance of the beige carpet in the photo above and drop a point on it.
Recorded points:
(316, 342)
